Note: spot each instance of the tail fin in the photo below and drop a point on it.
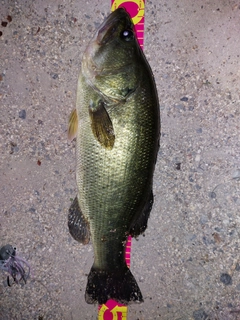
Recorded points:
(119, 285)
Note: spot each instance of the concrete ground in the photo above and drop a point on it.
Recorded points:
(187, 265)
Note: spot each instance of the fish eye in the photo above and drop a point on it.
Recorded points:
(127, 35)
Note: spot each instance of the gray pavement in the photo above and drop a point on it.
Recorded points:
(187, 264)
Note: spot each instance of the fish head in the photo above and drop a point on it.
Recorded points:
(113, 55)
(116, 31)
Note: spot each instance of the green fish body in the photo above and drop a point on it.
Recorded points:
(117, 131)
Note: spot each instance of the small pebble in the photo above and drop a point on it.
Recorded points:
(203, 219)
(14, 147)
(54, 75)
(237, 268)
(200, 315)
(184, 99)
(226, 279)
(178, 165)
(236, 174)
(238, 287)
(190, 178)
(212, 195)
(22, 114)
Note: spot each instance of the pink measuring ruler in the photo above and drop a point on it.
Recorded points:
(114, 310)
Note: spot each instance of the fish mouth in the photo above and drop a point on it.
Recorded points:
(117, 20)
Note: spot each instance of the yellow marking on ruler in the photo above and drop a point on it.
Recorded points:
(117, 309)
(102, 311)
(140, 5)
(122, 309)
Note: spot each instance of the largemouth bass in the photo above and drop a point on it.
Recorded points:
(117, 126)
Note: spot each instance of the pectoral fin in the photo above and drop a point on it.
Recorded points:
(72, 125)
(101, 125)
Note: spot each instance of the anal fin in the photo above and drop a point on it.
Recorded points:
(140, 225)
(77, 224)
